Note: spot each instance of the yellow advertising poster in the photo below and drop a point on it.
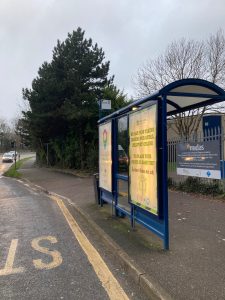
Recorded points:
(105, 156)
(143, 159)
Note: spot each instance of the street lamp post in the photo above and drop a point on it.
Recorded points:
(13, 145)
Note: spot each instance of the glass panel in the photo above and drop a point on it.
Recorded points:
(123, 194)
(122, 146)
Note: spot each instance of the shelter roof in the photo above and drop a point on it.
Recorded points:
(186, 94)
(181, 95)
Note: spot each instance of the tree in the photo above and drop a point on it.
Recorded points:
(182, 59)
(22, 132)
(117, 97)
(5, 135)
(215, 58)
(63, 99)
(185, 59)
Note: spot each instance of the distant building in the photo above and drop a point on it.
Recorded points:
(209, 124)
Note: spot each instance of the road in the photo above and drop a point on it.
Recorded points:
(46, 255)
(5, 166)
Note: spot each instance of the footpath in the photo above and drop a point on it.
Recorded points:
(193, 268)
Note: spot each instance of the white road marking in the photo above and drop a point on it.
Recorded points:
(8, 269)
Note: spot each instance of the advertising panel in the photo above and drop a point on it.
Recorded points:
(200, 159)
(105, 156)
(143, 158)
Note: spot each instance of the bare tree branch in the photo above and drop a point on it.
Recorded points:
(185, 59)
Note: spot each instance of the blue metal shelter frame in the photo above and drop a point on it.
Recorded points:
(176, 97)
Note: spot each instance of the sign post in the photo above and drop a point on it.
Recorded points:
(104, 105)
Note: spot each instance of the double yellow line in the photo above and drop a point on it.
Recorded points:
(109, 282)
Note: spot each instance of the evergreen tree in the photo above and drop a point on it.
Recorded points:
(64, 100)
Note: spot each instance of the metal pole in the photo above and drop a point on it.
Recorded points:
(47, 154)
(114, 165)
(164, 174)
(222, 157)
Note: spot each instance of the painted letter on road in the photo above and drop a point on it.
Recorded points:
(56, 256)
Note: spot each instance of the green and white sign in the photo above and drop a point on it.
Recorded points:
(105, 156)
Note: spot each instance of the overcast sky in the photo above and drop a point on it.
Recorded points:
(129, 31)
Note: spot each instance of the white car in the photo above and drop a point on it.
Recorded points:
(8, 157)
(13, 153)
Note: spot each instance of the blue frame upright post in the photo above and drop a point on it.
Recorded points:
(164, 173)
(114, 163)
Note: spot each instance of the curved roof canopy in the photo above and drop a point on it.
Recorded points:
(181, 95)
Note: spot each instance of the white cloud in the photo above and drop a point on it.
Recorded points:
(129, 31)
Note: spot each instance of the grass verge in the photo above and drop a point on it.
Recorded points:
(13, 171)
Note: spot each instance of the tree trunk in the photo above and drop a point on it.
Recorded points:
(81, 149)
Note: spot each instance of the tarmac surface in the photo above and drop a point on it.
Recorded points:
(45, 254)
(40, 258)
(193, 268)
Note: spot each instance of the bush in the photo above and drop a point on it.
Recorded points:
(170, 183)
(196, 185)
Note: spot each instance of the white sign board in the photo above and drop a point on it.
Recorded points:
(143, 159)
(105, 104)
(105, 156)
(199, 159)
(215, 174)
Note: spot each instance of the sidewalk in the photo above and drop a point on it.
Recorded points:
(193, 268)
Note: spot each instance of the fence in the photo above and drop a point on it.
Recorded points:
(213, 134)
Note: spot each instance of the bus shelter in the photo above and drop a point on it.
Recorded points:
(141, 148)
